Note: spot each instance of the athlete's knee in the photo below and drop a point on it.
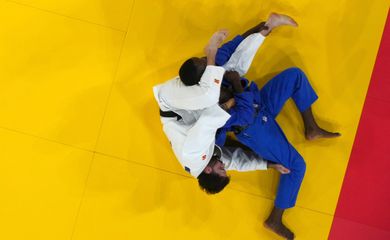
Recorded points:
(295, 71)
(294, 74)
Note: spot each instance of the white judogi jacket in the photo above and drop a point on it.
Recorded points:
(193, 137)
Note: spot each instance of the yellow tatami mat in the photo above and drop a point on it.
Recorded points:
(106, 13)
(42, 185)
(128, 201)
(82, 150)
(56, 74)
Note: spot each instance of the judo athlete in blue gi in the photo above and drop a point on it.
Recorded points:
(253, 112)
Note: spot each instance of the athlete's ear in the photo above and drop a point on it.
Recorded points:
(208, 170)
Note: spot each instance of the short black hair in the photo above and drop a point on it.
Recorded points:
(212, 183)
(189, 73)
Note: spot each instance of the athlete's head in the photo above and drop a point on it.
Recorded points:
(213, 179)
(192, 70)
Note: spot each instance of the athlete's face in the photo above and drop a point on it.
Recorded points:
(219, 168)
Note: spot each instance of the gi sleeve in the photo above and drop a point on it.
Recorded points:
(242, 58)
(243, 112)
(174, 95)
(240, 160)
(225, 52)
(220, 137)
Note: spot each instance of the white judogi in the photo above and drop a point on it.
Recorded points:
(240, 160)
(193, 137)
(173, 95)
(242, 57)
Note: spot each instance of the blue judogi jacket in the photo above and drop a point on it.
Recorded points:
(244, 112)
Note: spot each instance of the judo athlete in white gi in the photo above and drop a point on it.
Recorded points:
(190, 116)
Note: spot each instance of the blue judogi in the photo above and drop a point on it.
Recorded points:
(253, 120)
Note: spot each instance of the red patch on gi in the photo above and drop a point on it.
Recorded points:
(204, 157)
(216, 81)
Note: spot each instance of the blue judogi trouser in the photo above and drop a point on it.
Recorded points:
(267, 139)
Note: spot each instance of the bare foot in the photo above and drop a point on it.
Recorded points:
(276, 20)
(279, 228)
(312, 134)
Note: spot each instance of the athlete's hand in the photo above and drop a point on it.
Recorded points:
(215, 41)
(280, 168)
(232, 77)
(228, 104)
